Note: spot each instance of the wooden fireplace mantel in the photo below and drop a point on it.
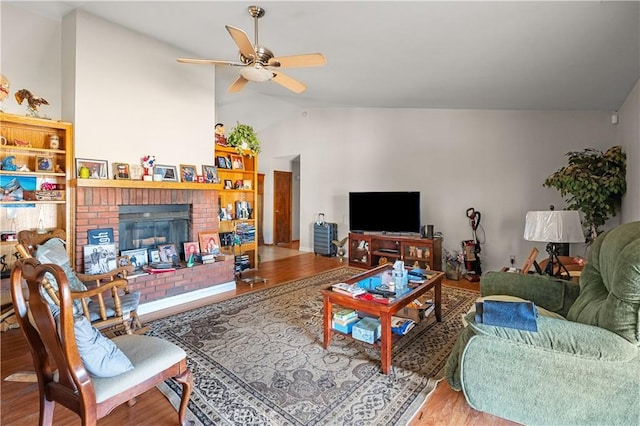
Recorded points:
(125, 183)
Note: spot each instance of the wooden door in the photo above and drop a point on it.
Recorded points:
(282, 190)
(260, 204)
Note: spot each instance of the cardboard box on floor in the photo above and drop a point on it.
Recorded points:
(417, 310)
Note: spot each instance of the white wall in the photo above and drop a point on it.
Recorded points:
(31, 59)
(493, 161)
(629, 139)
(132, 97)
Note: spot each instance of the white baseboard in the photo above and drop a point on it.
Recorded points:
(168, 302)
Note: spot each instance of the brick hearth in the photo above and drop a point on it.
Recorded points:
(98, 208)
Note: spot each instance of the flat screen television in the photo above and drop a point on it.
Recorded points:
(384, 212)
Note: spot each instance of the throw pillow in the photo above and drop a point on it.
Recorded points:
(54, 251)
(100, 356)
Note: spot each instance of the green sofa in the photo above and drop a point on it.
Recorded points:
(582, 366)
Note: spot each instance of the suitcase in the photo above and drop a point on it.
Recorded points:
(323, 234)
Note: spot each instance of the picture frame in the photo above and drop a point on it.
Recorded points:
(154, 255)
(210, 174)
(123, 261)
(98, 169)
(237, 162)
(246, 184)
(99, 259)
(223, 162)
(168, 253)
(188, 173)
(190, 247)
(137, 257)
(169, 173)
(228, 184)
(44, 163)
(238, 184)
(200, 179)
(209, 242)
(121, 171)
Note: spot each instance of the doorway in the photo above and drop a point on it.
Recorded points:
(282, 202)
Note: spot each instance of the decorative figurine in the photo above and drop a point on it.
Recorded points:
(340, 247)
(33, 101)
(221, 139)
(4, 89)
(8, 163)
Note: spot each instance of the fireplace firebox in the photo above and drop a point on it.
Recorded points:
(147, 226)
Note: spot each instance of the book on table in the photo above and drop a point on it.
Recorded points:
(348, 289)
(345, 321)
(401, 326)
(345, 314)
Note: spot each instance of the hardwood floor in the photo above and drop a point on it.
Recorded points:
(19, 400)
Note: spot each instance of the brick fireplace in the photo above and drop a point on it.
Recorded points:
(99, 208)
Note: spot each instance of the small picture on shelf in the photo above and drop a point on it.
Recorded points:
(191, 248)
(188, 173)
(99, 259)
(168, 253)
(123, 261)
(223, 162)
(154, 255)
(246, 184)
(228, 184)
(238, 184)
(44, 163)
(137, 258)
(200, 179)
(168, 173)
(121, 171)
(210, 174)
(237, 162)
(209, 242)
(91, 169)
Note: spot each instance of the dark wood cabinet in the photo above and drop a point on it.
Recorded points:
(370, 250)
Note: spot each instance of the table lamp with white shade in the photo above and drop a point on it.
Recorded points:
(554, 227)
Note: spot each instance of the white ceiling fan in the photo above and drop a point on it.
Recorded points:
(258, 63)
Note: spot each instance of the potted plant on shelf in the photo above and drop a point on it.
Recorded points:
(594, 182)
(244, 139)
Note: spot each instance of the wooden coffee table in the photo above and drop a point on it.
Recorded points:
(383, 311)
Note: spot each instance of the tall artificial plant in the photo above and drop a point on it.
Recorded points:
(244, 139)
(593, 182)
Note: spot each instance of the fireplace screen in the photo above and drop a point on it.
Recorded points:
(146, 226)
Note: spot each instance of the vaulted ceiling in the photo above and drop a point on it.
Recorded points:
(575, 55)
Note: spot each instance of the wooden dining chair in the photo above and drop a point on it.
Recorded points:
(92, 377)
(104, 299)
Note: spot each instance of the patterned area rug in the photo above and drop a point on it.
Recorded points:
(257, 359)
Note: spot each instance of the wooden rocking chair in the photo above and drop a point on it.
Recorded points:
(104, 299)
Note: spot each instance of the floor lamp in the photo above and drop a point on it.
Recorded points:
(554, 227)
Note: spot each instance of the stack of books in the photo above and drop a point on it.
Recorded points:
(241, 263)
(246, 231)
(204, 257)
(348, 289)
(344, 319)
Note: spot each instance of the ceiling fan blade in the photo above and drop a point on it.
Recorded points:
(288, 82)
(307, 60)
(242, 40)
(237, 85)
(210, 62)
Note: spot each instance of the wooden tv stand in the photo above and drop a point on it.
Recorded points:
(369, 250)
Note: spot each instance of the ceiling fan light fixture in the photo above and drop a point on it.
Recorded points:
(257, 74)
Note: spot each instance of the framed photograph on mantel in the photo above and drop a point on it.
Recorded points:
(188, 173)
(168, 173)
(91, 169)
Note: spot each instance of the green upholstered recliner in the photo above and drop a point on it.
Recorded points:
(581, 366)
